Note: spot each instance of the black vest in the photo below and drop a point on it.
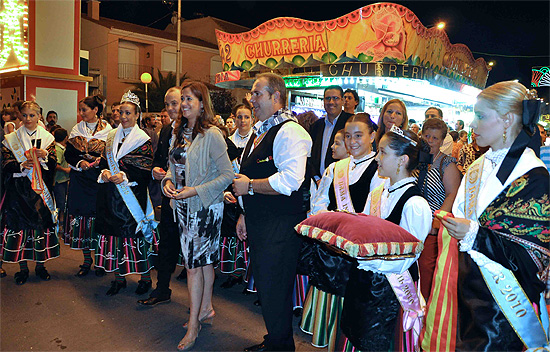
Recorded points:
(359, 191)
(260, 164)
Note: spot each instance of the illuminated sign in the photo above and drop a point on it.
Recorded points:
(14, 20)
(285, 46)
(228, 76)
(540, 76)
(375, 69)
(309, 102)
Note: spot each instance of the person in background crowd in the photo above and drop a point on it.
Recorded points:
(51, 121)
(149, 125)
(125, 164)
(456, 144)
(433, 112)
(307, 119)
(115, 117)
(198, 199)
(230, 124)
(243, 121)
(165, 117)
(468, 154)
(170, 245)
(322, 310)
(322, 132)
(351, 101)
(459, 125)
(414, 128)
(274, 202)
(498, 243)
(28, 209)
(9, 120)
(438, 187)
(83, 151)
(62, 171)
(394, 112)
(462, 141)
(339, 149)
(372, 317)
(542, 134)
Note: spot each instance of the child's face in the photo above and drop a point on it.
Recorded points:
(339, 150)
(359, 139)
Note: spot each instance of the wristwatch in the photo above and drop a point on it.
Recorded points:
(250, 188)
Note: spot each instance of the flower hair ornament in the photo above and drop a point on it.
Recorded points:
(399, 132)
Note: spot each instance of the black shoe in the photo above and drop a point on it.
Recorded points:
(182, 276)
(258, 347)
(42, 273)
(21, 277)
(84, 270)
(2, 272)
(231, 281)
(257, 303)
(99, 272)
(153, 301)
(298, 312)
(143, 287)
(115, 287)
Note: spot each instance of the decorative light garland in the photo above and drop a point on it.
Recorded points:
(14, 18)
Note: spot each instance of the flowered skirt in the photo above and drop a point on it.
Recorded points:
(125, 255)
(321, 317)
(80, 232)
(234, 256)
(34, 245)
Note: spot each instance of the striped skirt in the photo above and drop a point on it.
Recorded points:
(321, 317)
(31, 245)
(80, 232)
(234, 256)
(300, 291)
(125, 255)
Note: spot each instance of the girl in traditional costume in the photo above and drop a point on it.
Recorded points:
(125, 220)
(501, 222)
(83, 153)
(28, 210)
(345, 186)
(372, 316)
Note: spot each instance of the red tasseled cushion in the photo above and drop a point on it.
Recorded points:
(360, 235)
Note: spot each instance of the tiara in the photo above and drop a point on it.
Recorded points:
(399, 131)
(130, 97)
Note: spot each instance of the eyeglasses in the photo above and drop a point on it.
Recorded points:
(328, 99)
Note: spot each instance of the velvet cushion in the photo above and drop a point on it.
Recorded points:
(360, 235)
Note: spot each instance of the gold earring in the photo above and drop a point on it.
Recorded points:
(504, 137)
(398, 169)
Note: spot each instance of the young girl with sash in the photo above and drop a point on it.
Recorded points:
(501, 221)
(28, 212)
(345, 186)
(84, 148)
(378, 291)
(125, 220)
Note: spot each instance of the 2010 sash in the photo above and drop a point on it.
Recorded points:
(145, 221)
(502, 283)
(341, 185)
(35, 176)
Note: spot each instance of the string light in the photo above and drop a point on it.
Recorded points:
(14, 33)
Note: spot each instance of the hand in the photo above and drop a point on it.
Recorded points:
(457, 227)
(248, 96)
(169, 189)
(158, 173)
(41, 153)
(240, 185)
(241, 228)
(116, 179)
(229, 198)
(27, 164)
(106, 176)
(84, 165)
(435, 226)
(185, 192)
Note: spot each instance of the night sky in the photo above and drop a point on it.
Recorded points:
(510, 28)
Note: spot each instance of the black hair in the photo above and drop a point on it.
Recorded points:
(338, 88)
(454, 134)
(354, 93)
(51, 112)
(403, 145)
(241, 106)
(94, 101)
(365, 118)
(435, 108)
(60, 134)
(18, 104)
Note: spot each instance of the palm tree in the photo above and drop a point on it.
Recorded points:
(156, 90)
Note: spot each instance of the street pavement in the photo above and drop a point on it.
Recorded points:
(69, 313)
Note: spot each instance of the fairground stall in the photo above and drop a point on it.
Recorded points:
(381, 50)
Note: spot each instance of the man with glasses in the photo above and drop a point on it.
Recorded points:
(323, 131)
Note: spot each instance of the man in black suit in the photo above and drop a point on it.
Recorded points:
(169, 245)
(323, 131)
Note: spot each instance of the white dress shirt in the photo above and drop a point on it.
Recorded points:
(327, 132)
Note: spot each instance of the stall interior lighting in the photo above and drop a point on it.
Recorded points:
(14, 20)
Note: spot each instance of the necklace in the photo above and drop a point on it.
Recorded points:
(403, 185)
(355, 163)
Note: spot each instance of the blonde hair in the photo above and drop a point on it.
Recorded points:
(31, 105)
(382, 128)
(507, 96)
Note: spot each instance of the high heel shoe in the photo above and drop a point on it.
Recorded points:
(208, 319)
(187, 345)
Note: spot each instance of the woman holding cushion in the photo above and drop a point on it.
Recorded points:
(372, 314)
(345, 186)
(501, 219)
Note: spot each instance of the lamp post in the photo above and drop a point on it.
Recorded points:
(146, 79)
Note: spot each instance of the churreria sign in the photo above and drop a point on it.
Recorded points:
(375, 69)
(285, 46)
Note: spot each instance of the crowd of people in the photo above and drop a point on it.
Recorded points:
(231, 193)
